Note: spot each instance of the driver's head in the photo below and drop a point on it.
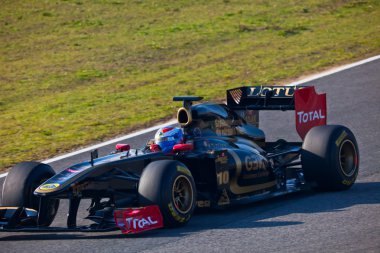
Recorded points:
(167, 137)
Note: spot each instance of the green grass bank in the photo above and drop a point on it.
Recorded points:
(78, 72)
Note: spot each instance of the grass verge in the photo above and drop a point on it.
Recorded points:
(76, 72)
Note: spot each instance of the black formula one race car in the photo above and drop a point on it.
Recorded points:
(223, 159)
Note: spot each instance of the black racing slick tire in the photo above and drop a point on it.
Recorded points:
(330, 157)
(20, 184)
(170, 185)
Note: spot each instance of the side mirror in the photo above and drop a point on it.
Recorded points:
(122, 147)
(183, 147)
(94, 155)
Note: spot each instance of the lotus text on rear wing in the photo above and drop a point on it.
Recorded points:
(277, 91)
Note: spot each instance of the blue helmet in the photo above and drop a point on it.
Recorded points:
(167, 137)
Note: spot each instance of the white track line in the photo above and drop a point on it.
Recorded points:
(147, 130)
(334, 70)
(128, 136)
(144, 131)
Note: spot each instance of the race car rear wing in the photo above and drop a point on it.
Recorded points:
(262, 98)
(310, 107)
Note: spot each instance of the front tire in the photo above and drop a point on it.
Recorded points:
(170, 185)
(20, 184)
(330, 157)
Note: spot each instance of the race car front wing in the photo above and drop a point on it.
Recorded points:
(128, 220)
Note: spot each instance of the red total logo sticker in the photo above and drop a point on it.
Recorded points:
(140, 223)
(137, 220)
(304, 117)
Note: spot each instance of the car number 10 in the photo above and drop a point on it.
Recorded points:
(223, 177)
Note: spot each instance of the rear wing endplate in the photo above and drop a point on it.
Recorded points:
(310, 107)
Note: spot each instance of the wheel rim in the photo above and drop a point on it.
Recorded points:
(348, 158)
(182, 194)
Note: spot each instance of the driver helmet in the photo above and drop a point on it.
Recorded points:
(167, 137)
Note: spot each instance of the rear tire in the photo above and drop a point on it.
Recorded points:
(20, 184)
(170, 185)
(330, 157)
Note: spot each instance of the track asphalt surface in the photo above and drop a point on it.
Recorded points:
(310, 221)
